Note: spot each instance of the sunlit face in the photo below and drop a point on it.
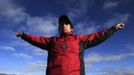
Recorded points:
(66, 28)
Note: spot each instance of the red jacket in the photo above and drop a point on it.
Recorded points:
(65, 53)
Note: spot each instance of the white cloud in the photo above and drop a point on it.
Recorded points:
(86, 28)
(77, 8)
(117, 18)
(95, 58)
(114, 4)
(18, 42)
(118, 71)
(2, 68)
(113, 71)
(14, 15)
(37, 66)
(22, 55)
(10, 11)
(7, 48)
(109, 4)
(39, 52)
(130, 46)
(46, 24)
(7, 33)
(34, 68)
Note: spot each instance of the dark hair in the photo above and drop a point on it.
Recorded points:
(64, 20)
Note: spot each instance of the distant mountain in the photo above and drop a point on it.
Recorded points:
(3, 74)
(6, 74)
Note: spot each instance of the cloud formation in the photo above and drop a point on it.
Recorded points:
(46, 24)
(78, 7)
(39, 52)
(110, 4)
(22, 55)
(7, 48)
(113, 71)
(15, 14)
(93, 58)
(33, 68)
(116, 19)
(10, 12)
(86, 27)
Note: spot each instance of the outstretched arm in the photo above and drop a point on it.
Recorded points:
(39, 41)
(98, 37)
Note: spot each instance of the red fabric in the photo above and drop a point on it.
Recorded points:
(66, 62)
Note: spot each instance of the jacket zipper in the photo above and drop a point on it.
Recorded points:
(64, 45)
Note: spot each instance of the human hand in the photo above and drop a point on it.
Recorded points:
(19, 34)
(119, 25)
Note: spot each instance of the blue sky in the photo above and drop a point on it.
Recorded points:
(39, 17)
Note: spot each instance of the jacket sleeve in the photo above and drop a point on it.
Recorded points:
(39, 41)
(96, 38)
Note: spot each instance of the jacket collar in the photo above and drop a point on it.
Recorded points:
(66, 34)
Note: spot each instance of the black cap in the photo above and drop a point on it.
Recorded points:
(64, 20)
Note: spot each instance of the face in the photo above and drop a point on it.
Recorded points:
(66, 28)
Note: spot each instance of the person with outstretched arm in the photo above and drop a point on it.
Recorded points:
(66, 51)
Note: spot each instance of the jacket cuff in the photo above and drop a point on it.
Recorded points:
(23, 35)
(113, 29)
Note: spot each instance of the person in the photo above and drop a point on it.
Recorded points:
(66, 52)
